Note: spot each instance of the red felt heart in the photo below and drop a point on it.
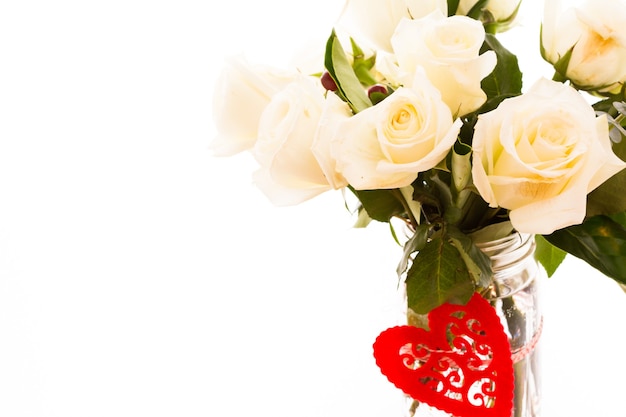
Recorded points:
(461, 366)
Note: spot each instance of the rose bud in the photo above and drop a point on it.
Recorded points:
(377, 93)
(328, 82)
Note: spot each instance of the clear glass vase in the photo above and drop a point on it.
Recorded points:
(515, 294)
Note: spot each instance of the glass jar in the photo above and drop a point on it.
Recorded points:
(515, 295)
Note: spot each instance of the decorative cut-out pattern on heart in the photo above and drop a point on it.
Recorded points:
(462, 365)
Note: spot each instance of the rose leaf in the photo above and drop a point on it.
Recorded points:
(362, 66)
(609, 198)
(415, 244)
(477, 9)
(453, 6)
(505, 80)
(600, 241)
(340, 69)
(438, 275)
(548, 255)
(380, 205)
(477, 262)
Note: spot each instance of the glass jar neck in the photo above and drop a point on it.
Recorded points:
(512, 262)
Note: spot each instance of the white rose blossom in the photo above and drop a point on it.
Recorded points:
(387, 145)
(334, 113)
(289, 172)
(596, 30)
(448, 49)
(241, 94)
(376, 20)
(540, 154)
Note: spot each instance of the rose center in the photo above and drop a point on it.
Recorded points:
(454, 40)
(402, 117)
(405, 122)
(548, 145)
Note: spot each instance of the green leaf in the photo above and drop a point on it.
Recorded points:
(380, 205)
(358, 56)
(619, 218)
(415, 244)
(600, 241)
(362, 67)
(349, 87)
(357, 52)
(434, 184)
(364, 75)
(467, 129)
(605, 106)
(505, 80)
(453, 6)
(562, 65)
(461, 148)
(478, 264)
(477, 9)
(438, 275)
(609, 197)
(548, 255)
(426, 192)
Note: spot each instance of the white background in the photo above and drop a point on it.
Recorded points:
(140, 276)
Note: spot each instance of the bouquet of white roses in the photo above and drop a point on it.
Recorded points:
(420, 114)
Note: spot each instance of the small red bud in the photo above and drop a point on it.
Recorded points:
(377, 89)
(328, 82)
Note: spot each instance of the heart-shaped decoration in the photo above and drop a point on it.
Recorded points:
(462, 365)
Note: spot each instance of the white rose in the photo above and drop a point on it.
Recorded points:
(596, 31)
(241, 94)
(501, 10)
(448, 49)
(387, 145)
(335, 112)
(289, 172)
(540, 154)
(376, 20)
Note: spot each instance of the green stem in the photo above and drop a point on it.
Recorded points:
(412, 207)
(413, 408)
